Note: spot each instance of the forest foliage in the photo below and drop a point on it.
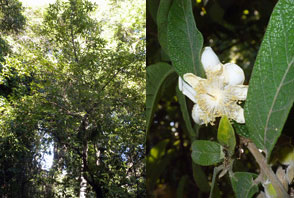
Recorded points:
(70, 91)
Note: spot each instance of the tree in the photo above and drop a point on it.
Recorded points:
(12, 21)
(87, 96)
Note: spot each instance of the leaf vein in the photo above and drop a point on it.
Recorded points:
(281, 109)
(275, 99)
(288, 82)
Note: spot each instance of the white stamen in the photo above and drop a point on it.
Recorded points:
(219, 94)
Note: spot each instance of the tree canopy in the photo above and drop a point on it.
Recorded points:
(69, 87)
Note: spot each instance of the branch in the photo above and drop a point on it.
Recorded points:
(65, 110)
(73, 42)
(115, 74)
(111, 79)
(266, 169)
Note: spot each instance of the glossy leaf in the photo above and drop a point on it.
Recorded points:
(184, 40)
(157, 74)
(243, 184)
(206, 152)
(271, 88)
(162, 15)
(226, 134)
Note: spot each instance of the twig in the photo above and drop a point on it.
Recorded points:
(216, 170)
(266, 169)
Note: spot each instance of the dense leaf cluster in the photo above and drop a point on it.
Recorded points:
(84, 99)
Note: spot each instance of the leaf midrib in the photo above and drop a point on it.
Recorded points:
(249, 189)
(275, 99)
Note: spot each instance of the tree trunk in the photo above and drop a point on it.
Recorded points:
(98, 191)
(83, 184)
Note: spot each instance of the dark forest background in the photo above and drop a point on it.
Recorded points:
(234, 29)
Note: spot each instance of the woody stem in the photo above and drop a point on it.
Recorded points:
(266, 169)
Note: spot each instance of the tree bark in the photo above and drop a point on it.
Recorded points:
(83, 184)
(266, 169)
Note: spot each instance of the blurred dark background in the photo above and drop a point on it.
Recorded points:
(234, 29)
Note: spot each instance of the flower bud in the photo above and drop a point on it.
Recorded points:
(209, 59)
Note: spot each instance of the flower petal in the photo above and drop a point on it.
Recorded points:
(234, 75)
(193, 80)
(187, 90)
(238, 92)
(238, 114)
(209, 59)
(196, 112)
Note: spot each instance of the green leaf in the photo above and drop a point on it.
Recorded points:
(181, 186)
(271, 88)
(226, 135)
(241, 129)
(270, 191)
(157, 74)
(200, 178)
(162, 16)
(206, 152)
(184, 40)
(243, 184)
(186, 115)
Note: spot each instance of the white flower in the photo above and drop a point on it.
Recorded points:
(217, 95)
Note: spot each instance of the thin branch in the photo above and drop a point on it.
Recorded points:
(65, 111)
(115, 74)
(266, 169)
(73, 44)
